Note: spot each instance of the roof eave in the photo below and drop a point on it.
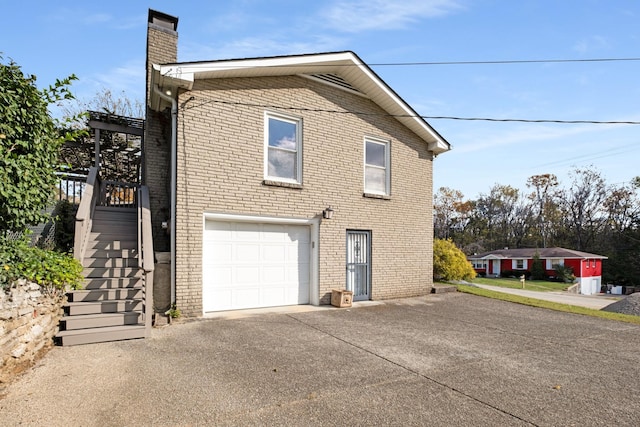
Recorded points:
(182, 75)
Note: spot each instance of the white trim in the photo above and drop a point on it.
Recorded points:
(344, 63)
(298, 167)
(387, 164)
(314, 233)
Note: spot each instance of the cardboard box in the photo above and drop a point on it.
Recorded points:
(341, 298)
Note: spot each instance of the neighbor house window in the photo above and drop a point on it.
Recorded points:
(283, 148)
(519, 264)
(376, 166)
(551, 263)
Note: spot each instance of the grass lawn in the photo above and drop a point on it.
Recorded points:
(530, 285)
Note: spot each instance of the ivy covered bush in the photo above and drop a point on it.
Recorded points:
(49, 269)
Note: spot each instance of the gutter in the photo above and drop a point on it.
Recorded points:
(174, 144)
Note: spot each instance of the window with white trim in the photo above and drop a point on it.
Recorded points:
(282, 148)
(552, 262)
(519, 264)
(377, 179)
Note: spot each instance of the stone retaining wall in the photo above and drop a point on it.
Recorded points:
(29, 319)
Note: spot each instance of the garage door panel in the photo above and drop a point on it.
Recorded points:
(246, 275)
(246, 253)
(247, 265)
(274, 253)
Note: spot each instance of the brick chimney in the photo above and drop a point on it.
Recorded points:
(162, 48)
(162, 41)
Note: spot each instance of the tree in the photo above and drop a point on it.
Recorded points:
(543, 198)
(583, 207)
(449, 262)
(29, 146)
(537, 268)
(451, 213)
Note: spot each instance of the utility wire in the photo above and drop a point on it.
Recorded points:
(508, 61)
(359, 113)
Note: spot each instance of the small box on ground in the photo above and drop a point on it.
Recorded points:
(341, 298)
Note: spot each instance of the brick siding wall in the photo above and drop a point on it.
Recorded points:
(220, 170)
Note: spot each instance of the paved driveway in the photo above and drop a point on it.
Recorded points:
(450, 359)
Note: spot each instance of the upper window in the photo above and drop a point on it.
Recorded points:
(376, 166)
(283, 148)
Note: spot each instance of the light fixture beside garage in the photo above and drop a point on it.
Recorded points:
(327, 213)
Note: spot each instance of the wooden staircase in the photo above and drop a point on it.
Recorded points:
(110, 307)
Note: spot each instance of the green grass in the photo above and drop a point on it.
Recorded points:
(530, 285)
(549, 305)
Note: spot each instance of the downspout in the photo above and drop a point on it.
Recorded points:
(174, 144)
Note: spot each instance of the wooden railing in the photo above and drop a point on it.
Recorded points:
(85, 213)
(71, 187)
(118, 194)
(145, 254)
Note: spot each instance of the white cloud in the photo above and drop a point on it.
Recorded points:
(362, 15)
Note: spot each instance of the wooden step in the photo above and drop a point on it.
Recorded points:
(91, 272)
(105, 253)
(105, 236)
(112, 283)
(115, 244)
(96, 335)
(101, 320)
(104, 294)
(115, 227)
(95, 307)
(110, 262)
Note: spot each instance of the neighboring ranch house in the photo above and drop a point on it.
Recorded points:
(586, 267)
(274, 180)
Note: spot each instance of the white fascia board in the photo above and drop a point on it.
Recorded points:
(277, 66)
(172, 76)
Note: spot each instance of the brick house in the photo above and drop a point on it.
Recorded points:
(586, 267)
(274, 180)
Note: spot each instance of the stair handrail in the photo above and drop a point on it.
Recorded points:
(84, 215)
(145, 253)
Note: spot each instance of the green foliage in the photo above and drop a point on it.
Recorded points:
(537, 268)
(47, 268)
(564, 274)
(174, 312)
(29, 146)
(449, 262)
(64, 217)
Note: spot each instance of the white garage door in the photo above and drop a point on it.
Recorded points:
(250, 265)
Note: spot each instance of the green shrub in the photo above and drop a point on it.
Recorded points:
(450, 263)
(564, 274)
(537, 268)
(47, 268)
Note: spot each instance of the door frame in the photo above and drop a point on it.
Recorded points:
(367, 233)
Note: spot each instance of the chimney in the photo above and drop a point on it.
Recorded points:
(162, 42)
(162, 48)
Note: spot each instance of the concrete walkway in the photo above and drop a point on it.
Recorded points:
(596, 302)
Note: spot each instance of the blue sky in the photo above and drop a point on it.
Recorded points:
(103, 43)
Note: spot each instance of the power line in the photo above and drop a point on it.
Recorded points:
(360, 113)
(507, 61)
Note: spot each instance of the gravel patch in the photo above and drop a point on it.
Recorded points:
(627, 305)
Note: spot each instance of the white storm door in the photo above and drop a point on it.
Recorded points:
(253, 265)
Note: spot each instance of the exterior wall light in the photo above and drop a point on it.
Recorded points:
(327, 213)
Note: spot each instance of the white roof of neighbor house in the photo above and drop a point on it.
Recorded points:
(543, 253)
(342, 69)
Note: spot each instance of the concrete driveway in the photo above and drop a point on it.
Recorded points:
(595, 302)
(449, 359)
